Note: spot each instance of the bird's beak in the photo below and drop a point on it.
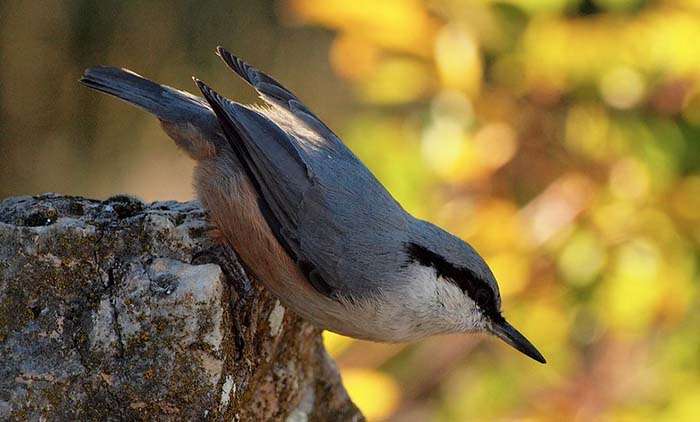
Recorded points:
(510, 335)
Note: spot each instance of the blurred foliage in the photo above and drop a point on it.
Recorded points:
(560, 137)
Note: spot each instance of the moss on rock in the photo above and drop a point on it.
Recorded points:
(120, 310)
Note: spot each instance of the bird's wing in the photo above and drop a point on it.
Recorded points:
(332, 216)
(278, 96)
(271, 160)
(282, 179)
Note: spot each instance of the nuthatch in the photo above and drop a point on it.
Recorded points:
(312, 222)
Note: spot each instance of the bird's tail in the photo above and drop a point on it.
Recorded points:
(166, 103)
(188, 119)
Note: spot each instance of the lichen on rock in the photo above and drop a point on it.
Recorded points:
(117, 309)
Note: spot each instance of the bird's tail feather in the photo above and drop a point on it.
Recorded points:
(164, 102)
(187, 119)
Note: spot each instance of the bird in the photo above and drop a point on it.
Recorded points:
(312, 222)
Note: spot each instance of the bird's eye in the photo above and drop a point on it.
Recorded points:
(482, 297)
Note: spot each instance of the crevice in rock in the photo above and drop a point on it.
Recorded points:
(116, 326)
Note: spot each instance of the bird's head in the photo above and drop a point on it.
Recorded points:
(465, 290)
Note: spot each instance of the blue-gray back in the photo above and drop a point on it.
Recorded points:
(333, 215)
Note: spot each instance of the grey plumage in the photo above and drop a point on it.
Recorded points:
(164, 102)
(329, 205)
(354, 260)
(177, 110)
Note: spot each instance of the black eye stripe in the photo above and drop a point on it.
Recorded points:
(470, 283)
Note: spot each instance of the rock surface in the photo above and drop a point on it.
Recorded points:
(118, 310)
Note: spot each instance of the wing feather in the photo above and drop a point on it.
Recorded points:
(277, 95)
(278, 172)
(325, 207)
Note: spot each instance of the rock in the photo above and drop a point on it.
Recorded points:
(113, 310)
